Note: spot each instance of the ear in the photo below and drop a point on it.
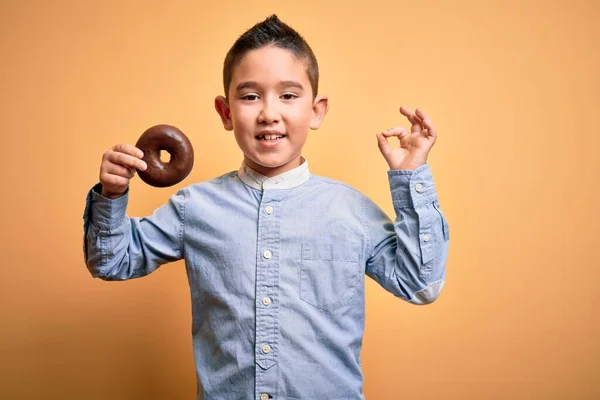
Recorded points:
(319, 110)
(222, 107)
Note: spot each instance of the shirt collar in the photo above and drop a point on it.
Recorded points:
(287, 180)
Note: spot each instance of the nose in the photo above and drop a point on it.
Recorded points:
(268, 113)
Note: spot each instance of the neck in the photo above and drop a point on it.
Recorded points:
(270, 172)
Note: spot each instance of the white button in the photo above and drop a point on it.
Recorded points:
(264, 396)
(266, 301)
(426, 238)
(419, 187)
(267, 254)
(269, 210)
(266, 349)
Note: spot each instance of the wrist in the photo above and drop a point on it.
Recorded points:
(407, 166)
(111, 195)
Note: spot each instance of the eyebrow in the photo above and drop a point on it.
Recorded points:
(253, 85)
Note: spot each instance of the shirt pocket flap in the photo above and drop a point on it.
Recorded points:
(329, 252)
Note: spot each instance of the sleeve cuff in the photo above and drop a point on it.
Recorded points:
(104, 212)
(412, 188)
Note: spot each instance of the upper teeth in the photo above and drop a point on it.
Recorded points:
(271, 137)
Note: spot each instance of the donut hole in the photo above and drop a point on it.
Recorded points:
(165, 156)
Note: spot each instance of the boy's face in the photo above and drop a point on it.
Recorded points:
(270, 109)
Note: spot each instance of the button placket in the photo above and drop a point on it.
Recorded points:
(267, 287)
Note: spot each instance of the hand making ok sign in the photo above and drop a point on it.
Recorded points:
(414, 146)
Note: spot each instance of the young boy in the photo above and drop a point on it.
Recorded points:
(275, 256)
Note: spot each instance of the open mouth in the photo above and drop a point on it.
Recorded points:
(270, 137)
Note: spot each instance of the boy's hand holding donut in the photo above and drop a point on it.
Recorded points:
(118, 167)
(414, 146)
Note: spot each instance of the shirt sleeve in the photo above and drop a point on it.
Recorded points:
(117, 247)
(408, 256)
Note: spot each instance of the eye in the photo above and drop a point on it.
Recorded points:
(250, 97)
(289, 96)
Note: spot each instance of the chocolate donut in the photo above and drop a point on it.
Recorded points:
(173, 141)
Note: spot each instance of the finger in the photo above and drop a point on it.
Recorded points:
(413, 118)
(126, 160)
(129, 149)
(119, 170)
(421, 114)
(426, 122)
(383, 144)
(398, 131)
(113, 181)
(429, 128)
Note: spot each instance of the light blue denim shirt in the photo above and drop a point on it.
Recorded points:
(276, 269)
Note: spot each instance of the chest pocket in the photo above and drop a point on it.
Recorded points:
(329, 274)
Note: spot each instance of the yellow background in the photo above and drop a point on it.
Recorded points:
(513, 86)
